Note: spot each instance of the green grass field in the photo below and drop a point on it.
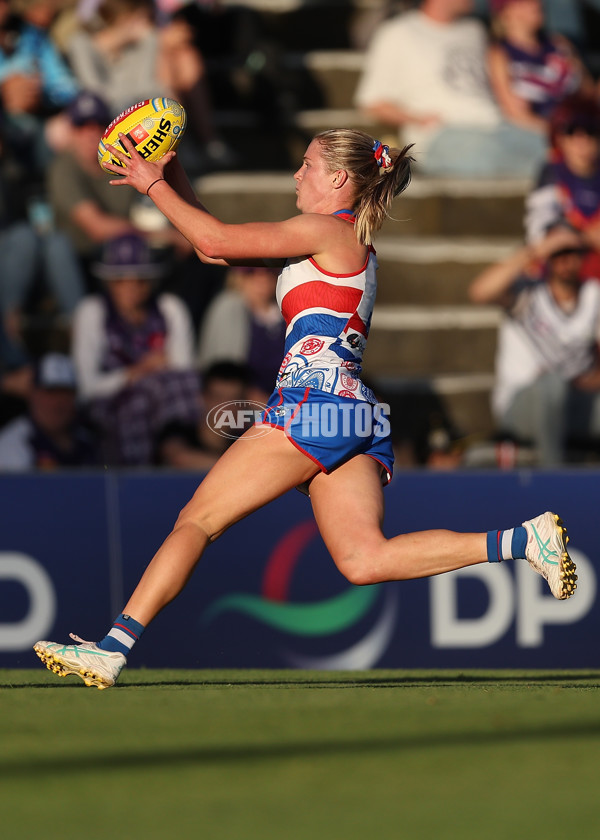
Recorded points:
(299, 755)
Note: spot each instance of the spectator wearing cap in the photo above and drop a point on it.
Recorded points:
(568, 187)
(425, 75)
(547, 388)
(133, 348)
(86, 208)
(50, 435)
(531, 72)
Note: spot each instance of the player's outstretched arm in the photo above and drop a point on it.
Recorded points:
(214, 240)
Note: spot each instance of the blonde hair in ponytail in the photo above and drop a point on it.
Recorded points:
(375, 186)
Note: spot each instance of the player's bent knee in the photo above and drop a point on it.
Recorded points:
(358, 567)
(200, 520)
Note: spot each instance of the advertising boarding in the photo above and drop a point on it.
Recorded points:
(267, 594)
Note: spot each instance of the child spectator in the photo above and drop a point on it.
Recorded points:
(133, 350)
(531, 72)
(568, 187)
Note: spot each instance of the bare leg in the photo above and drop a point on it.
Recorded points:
(255, 470)
(348, 508)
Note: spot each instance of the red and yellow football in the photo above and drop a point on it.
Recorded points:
(154, 126)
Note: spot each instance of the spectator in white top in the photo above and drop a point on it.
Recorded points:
(50, 435)
(134, 352)
(547, 389)
(425, 75)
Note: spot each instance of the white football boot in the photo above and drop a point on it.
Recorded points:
(547, 554)
(96, 667)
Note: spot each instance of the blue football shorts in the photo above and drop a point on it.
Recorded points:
(331, 429)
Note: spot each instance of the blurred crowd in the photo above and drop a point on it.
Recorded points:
(118, 375)
(507, 94)
(145, 340)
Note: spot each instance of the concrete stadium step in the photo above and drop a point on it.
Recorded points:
(458, 206)
(277, 136)
(429, 341)
(334, 74)
(434, 270)
(447, 353)
(430, 207)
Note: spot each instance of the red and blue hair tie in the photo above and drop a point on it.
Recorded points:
(381, 154)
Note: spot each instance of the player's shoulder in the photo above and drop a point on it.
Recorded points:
(308, 221)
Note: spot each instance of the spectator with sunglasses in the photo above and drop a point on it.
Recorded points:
(568, 187)
(547, 389)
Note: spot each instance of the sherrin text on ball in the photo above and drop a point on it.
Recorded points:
(154, 126)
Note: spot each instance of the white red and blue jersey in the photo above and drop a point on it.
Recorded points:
(327, 319)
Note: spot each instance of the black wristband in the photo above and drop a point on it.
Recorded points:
(153, 183)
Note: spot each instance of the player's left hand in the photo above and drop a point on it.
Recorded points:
(135, 171)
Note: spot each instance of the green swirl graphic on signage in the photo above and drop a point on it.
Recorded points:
(323, 617)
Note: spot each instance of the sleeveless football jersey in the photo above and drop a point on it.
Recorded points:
(327, 319)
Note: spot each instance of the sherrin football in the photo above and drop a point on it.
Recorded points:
(154, 126)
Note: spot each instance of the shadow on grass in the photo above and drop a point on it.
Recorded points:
(251, 753)
(340, 680)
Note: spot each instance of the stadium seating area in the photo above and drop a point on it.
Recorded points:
(426, 338)
(287, 69)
